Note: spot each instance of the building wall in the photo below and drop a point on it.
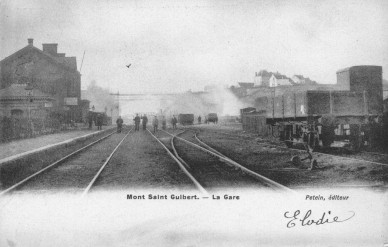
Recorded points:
(45, 74)
(274, 82)
(298, 80)
(261, 80)
(35, 109)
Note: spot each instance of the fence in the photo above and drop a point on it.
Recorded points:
(12, 128)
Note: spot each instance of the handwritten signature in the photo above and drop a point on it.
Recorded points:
(305, 219)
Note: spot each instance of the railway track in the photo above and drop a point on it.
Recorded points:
(68, 159)
(211, 168)
(265, 143)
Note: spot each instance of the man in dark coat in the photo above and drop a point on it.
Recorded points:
(144, 121)
(90, 119)
(99, 121)
(174, 121)
(164, 123)
(155, 123)
(137, 122)
(119, 123)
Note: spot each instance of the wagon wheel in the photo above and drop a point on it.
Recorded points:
(275, 134)
(356, 143)
(288, 139)
(356, 139)
(312, 142)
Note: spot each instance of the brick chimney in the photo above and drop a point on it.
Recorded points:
(30, 42)
(50, 49)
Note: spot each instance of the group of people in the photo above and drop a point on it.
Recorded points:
(98, 120)
(144, 120)
(155, 122)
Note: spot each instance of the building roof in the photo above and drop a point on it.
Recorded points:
(280, 76)
(358, 67)
(264, 73)
(18, 91)
(246, 84)
(69, 63)
(299, 77)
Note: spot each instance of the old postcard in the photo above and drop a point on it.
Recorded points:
(193, 123)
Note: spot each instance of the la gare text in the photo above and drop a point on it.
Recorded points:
(181, 197)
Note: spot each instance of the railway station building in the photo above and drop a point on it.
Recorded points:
(39, 82)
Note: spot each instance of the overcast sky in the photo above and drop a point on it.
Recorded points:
(175, 46)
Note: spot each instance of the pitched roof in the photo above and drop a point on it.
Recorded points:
(280, 76)
(71, 62)
(18, 91)
(299, 76)
(246, 84)
(65, 62)
(264, 73)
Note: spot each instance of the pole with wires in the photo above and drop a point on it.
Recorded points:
(82, 62)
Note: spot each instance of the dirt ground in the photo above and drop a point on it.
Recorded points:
(141, 163)
(255, 153)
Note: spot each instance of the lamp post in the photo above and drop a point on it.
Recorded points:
(111, 114)
(30, 91)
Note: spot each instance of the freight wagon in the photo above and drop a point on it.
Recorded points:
(352, 113)
(186, 119)
(211, 118)
(255, 122)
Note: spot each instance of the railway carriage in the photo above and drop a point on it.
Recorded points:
(186, 119)
(352, 113)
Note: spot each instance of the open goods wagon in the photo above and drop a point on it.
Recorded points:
(352, 113)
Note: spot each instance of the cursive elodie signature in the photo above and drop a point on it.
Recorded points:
(307, 221)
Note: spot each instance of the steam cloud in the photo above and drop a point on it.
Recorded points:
(218, 100)
(99, 97)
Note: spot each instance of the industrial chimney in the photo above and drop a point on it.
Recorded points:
(51, 49)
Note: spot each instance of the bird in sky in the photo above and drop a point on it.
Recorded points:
(129, 65)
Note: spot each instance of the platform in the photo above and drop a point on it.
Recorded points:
(18, 147)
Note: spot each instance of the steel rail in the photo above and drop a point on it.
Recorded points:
(374, 153)
(207, 146)
(13, 187)
(227, 160)
(181, 165)
(176, 152)
(103, 165)
(332, 155)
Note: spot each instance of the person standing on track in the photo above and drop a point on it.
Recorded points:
(164, 123)
(144, 121)
(119, 123)
(174, 121)
(199, 119)
(137, 122)
(155, 123)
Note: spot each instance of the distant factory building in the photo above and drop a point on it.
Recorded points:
(43, 81)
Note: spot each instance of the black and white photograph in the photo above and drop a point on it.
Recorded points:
(193, 123)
